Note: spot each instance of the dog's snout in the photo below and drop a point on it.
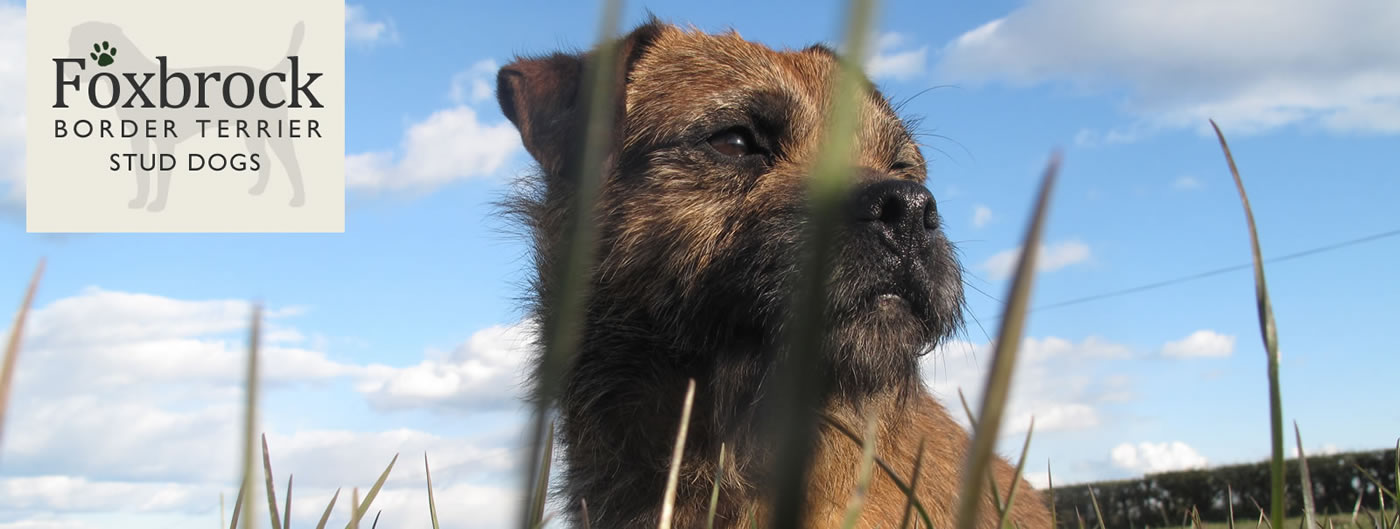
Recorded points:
(900, 209)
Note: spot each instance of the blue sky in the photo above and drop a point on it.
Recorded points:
(403, 334)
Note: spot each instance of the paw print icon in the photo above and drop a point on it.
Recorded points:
(103, 54)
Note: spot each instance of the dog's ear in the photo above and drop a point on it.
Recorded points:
(543, 96)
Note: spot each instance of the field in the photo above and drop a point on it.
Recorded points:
(828, 184)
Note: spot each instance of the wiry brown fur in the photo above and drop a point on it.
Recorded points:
(696, 259)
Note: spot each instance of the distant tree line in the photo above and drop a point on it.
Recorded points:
(1163, 499)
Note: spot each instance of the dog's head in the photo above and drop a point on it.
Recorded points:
(703, 203)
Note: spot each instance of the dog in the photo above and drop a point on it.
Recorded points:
(700, 214)
(128, 59)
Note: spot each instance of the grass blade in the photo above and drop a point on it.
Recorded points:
(798, 385)
(1050, 486)
(1263, 516)
(1309, 510)
(994, 396)
(913, 485)
(1099, 513)
(545, 521)
(884, 467)
(326, 516)
(971, 418)
(7, 370)
(583, 506)
(375, 524)
(865, 472)
(1356, 509)
(1395, 522)
(432, 505)
(1016, 477)
(1381, 498)
(668, 501)
(1270, 336)
(562, 329)
(237, 506)
(271, 489)
(287, 509)
(540, 495)
(1375, 480)
(250, 414)
(354, 513)
(996, 495)
(1375, 524)
(714, 493)
(1230, 506)
(373, 491)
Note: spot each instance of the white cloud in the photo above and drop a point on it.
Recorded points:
(981, 216)
(1130, 134)
(127, 409)
(450, 145)
(12, 127)
(1202, 343)
(361, 28)
(1150, 458)
(1058, 416)
(476, 84)
(46, 522)
(102, 340)
(73, 494)
(486, 371)
(1186, 183)
(1039, 480)
(1052, 257)
(890, 60)
(328, 458)
(1057, 381)
(470, 506)
(1333, 63)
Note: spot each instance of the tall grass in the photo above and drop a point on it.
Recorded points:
(668, 498)
(7, 369)
(563, 329)
(798, 385)
(250, 422)
(1269, 334)
(998, 386)
(797, 388)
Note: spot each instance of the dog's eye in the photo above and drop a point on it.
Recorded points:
(734, 142)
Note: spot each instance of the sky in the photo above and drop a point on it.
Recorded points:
(404, 334)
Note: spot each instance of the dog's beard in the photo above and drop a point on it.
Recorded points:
(881, 315)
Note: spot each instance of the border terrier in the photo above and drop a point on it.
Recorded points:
(699, 215)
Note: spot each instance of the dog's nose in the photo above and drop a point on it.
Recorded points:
(900, 211)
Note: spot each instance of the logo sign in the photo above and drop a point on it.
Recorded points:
(181, 116)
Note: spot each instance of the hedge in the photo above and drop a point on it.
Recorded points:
(1167, 498)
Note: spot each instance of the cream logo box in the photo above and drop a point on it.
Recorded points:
(185, 116)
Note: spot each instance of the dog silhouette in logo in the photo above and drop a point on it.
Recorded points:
(109, 50)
